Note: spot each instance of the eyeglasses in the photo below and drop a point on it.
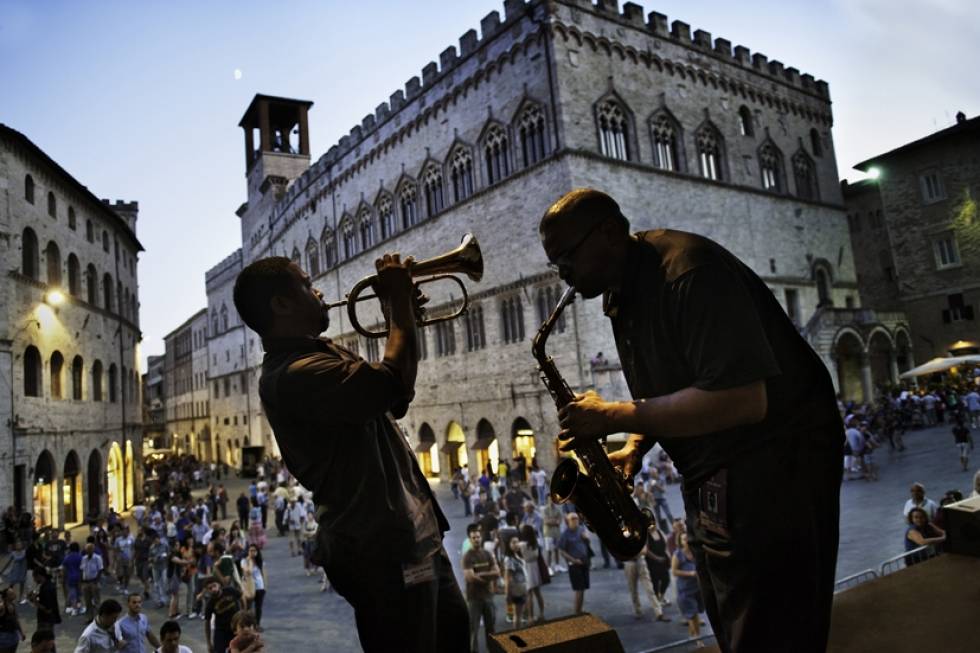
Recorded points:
(562, 261)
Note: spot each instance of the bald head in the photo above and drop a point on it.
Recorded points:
(579, 211)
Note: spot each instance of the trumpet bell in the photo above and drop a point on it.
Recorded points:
(466, 259)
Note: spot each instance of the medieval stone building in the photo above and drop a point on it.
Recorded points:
(70, 414)
(684, 130)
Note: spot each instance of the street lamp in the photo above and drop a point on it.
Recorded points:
(54, 298)
(874, 173)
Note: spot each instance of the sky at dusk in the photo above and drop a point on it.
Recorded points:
(140, 101)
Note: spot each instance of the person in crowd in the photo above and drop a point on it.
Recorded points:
(42, 641)
(332, 413)
(535, 571)
(515, 579)
(141, 560)
(92, 569)
(11, 630)
(222, 500)
(170, 639)
(244, 505)
(225, 602)
(235, 537)
(253, 582)
(159, 556)
(256, 527)
(921, 532)
(539, 481)
(480, 572)
(45, 599)
(310, 529)
(637, 575)
(134, 627)
(185, 564)
(296, 516)
(575, 549)
(532, 518)
(919, 500)
(659, 493)
(976, 485)
(247, 638)
(17, 573)
(658, 562)
(225, 568)
(551, 520)
(123, 555)
(99, 635)
(72, 573)
(964, 442)
(689, 600)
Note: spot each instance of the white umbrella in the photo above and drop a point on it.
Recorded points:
(940, 365)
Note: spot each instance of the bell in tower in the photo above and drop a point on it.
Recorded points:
(277, 137)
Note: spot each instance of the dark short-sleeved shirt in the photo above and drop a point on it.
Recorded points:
(331, 412)
(690, 314)
(480, 561)
(572, 543)
(223, 607)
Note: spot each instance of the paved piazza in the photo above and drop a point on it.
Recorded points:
(299, 618)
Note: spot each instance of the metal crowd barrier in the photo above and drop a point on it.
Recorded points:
(689, 644)
(897, 562)
(853, 580)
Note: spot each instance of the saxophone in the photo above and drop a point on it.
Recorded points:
(602, 495)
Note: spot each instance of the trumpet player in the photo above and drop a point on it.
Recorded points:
(380, 527)
(722, 379)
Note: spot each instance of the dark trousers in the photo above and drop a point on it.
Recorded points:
(429, 617)
(769, 584)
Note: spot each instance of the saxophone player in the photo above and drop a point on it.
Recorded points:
(722, 379)
(380, 527)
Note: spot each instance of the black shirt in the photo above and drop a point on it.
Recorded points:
(329, 410)
(690, 314)
(223, 607)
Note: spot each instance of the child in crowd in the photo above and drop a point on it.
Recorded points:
(247, 639)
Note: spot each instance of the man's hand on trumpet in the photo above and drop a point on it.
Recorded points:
(395, 281)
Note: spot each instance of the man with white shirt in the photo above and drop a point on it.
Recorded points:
(99, 636)
(91, 568)
(972, 400)
(919, 500)
(170, 639)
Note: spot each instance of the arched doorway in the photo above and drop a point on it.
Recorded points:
(523, 446)
(71, 489)
(880, 352)
(903, 351)
(486, 448)
(455, 447)
(427, 452)
(130, 474)
(114, 478)
(95, 471)
(848, 352)
(45, 491)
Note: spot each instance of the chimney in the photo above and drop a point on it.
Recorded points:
(960, 117)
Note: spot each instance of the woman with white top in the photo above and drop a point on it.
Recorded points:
(253, 582)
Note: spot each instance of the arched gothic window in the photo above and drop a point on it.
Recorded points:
(771, 167)
(386, 217)
(72, 221)
(476, 337)
(294, 257)
(97, 381)
(77, 369)
(710, 151)
(313, 258)
(57, 375)
(29, 188)
(52, 205)
(495, 154)
(745, 126)
(365, 224)
(107, 291)
(666, 136)
(91, 285)
(73, 275)
(547, 301)
(89, 231)
(805, 177)
(512, 319)
(30, 264)
(409, 204)
(32, 372)
(461, 173)
(531, 128)
(224, 318)
(105, 240)
(52, 256)
(432, 182)
(816, 146)
(613, 130)
(329, 244)
(113, 382)
(348, 237)
(821, 275)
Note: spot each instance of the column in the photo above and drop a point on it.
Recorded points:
(867, 386)
(893, 361)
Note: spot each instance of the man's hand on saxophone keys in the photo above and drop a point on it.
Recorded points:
(586, 418)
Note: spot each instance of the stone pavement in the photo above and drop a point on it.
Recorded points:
(299, 618)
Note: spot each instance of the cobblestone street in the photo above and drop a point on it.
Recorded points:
(299, 618)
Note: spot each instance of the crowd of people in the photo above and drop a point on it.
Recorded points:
(176, 556)
(519, 539)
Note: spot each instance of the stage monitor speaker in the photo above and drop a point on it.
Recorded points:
(582, 633)
(962, 523)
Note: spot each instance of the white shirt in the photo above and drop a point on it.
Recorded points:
(297, 514)
(95, 640)
(928, 505)
(180, 649)
(539, 477)
(973, 401)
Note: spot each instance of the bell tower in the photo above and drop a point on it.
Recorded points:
(277, 140)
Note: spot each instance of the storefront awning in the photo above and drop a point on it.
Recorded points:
(937, 365)
(484, 443)
(451, 447)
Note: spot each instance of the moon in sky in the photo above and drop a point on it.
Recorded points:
(238, 73)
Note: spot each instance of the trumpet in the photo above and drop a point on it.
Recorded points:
(465, 259)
